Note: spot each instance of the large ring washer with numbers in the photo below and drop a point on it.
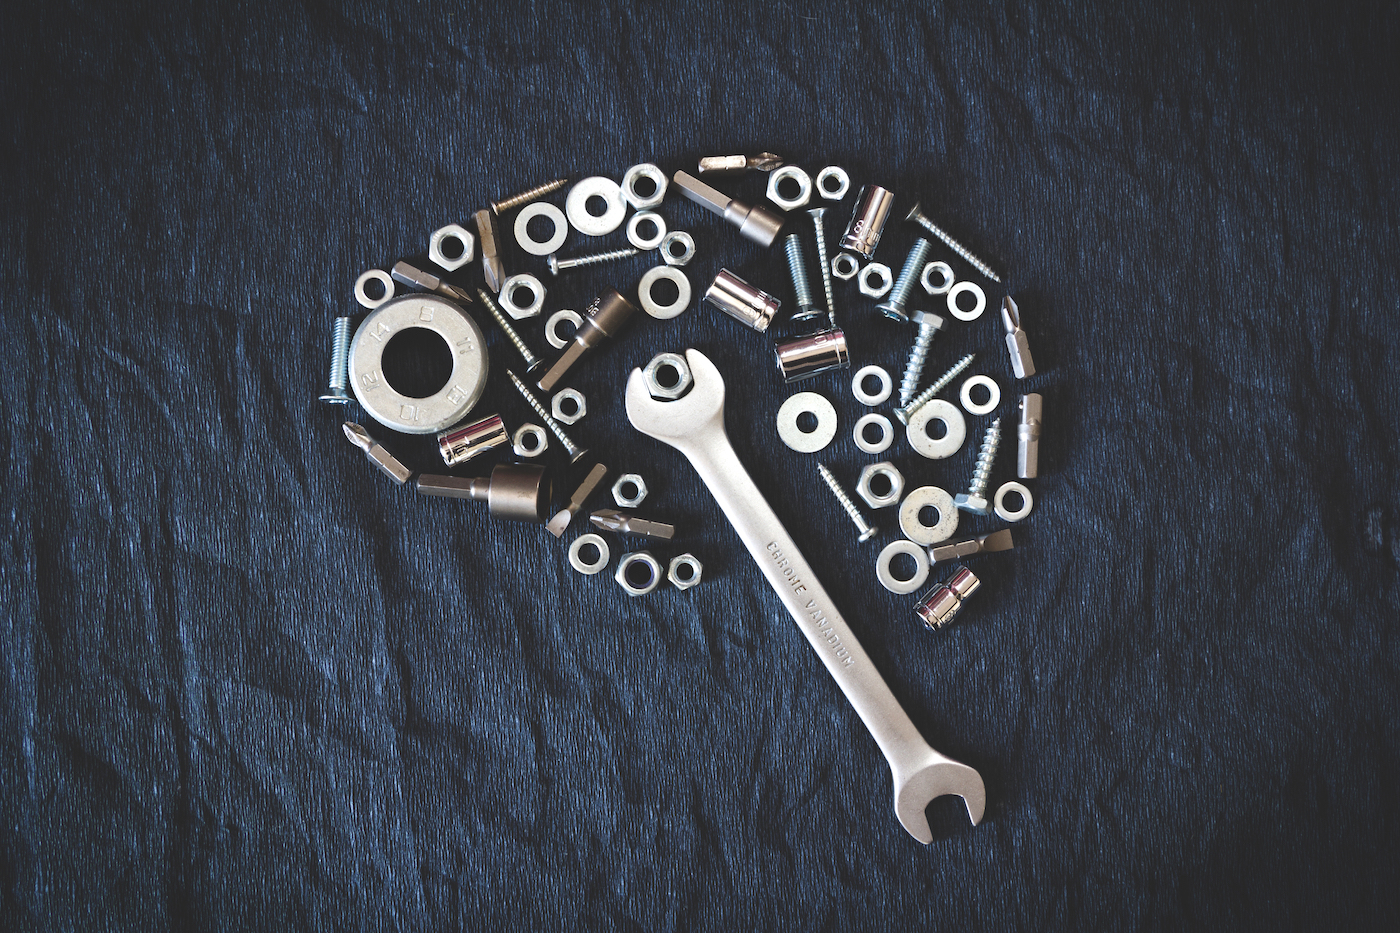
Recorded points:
(449, 404)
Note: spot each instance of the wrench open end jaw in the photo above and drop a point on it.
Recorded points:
(913, 792)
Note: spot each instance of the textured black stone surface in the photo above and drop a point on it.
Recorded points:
(248, 683)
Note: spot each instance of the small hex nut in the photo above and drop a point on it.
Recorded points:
(524, 282)
(447, 233)
(684, 571)
(619, 490)
(568, 406)
(845, 266)
(638, 587)
(881, 500)
(668, 376)
(876, 280)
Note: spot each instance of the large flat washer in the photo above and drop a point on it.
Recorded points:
(799, 440)
(948, 444)
(936, 499)
(576, 206)
(549, 212)
(469, 364)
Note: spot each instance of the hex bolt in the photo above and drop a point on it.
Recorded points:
(920, 218)
(575, 451)
(525, 197)
(797, 268)
(867, 531)
(818, 224)
(532, 362)
(922, 399)
(893, 306)
(929, 326)
(340, 352)
(975, 499)
(557, 265)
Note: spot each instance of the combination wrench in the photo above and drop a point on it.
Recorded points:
(694, 425)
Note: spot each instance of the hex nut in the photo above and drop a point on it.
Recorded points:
(790, 173)
(664, 386)
(945, 275)
(652, 173)
(451, 232)
(684, 571)
(881, 500)
(833, 183)
(620, 495)
(845, 266)
(522, 282)
(634, 588)
(876, 280)
(529, 440)
(568, 406)
(668, 251)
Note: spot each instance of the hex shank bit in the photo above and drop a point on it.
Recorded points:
(755, 222)
(602, 319)
(489, 236)
(376, 454)
(561, 519)
(986, 544)
(629, 524)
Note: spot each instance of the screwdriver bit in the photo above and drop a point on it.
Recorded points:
(756, 223)
(717, 165)
(489, 235)
(376, 453)
(987, 544)
(1016, 341)
(412, 275)
(561, 519)
(629, 524)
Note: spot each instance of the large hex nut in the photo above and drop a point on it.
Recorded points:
(684, 571)
(462, 253)
(568, 406)
(876, 476)
(796, 175)
(668, 376)
(876, 280)
(638, 573)
(629, 490)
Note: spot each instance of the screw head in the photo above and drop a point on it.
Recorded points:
(926, 319)
(914, 213)
(867, 534)
(336, 396)
(553, 262)
(977, 505)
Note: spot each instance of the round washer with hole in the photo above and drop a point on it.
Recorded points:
(576, 560)
(806, 403)
(529, 440)
(668, 248)
(576, 206)
(550, 213)
(999, 503)
(551, 327)
(826, 189)
(886, 577)
(448, 405)
(373, 275)
(886, 433)
(624, 573)
(928, 497)
(524, 282)
(945, 275)
(655, 308)
(956, 310)
(845, 266)
(644, 202)
(877, 397)
(622, 497)
(947, 445)
(993, 395)
(634, 228)
(869, 286)
(466, 247)
(794, 174)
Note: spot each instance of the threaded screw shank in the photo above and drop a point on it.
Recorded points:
(531, 361)
(555, 428)
(797, 268)
(863, 526)
(525, 197)
(983, 471)
(922, 399)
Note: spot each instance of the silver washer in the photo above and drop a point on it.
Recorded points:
(576, 560)
(629, 184)
(537, 444)
(887, 556)
(651, 306)
(374, 275)
(993, 395)
(673, 258)
(886, 436)
(638, 557)
(506, 298)
(944, 271)
(843, 183)
(958, 312)
(576, 206)
(845, 266)
(634, 235)
(551, 327)
(875, 270)
(798, 405)
(947, 445)
(804, 187)
(999, 503)
(877, 397)
(551, 213)
(449, 404)
(920, 499)
(451, 232)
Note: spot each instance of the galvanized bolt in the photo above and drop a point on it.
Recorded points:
(525, 197)
(532, 362)
(975, 499)
(797, 268)
(920, 400)
(340, 352)
(575, 451)
(557, 265)
(818, 215)
(867, 531)
(920, 218)
(893, 306)
(929, 326)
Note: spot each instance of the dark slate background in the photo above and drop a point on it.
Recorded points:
(250, 684)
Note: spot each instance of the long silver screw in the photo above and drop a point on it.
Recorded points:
(818, 224)
(920, 218)
(929, 326)
(557, 265)
(797, 268)
(532, 362)
(340, 353)
(893, 306)
(922, 399)
(555, 428)
(975, 499)
(525, 197)
(867, 531)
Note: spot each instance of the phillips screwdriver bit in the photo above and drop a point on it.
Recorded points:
(489, 235)
(756, 223)
(628, 524)
(719, 165)
(376, 453)
(1016, 341)
(412, 275)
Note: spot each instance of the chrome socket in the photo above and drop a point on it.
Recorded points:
(743, 302)
(462, 443)
(868, 220)
(813, 354)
